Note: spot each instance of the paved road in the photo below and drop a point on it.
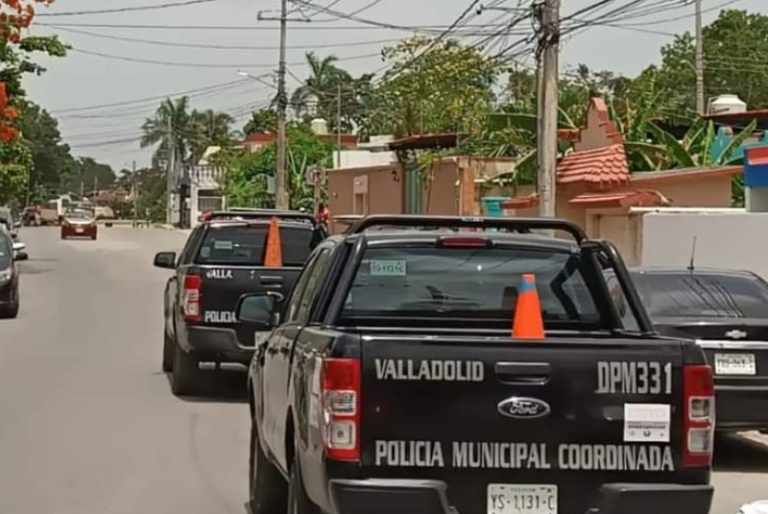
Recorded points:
(88, 424)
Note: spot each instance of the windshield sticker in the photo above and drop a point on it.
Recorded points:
(381, 268)
(444, 370)
(223, 245)
(634, 378)
(205, 252)
(646, 423)
(516, 455)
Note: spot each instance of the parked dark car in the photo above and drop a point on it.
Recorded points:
(224, 257)
(9, 275)
(726, 313)
(390, 383)
(79, 223)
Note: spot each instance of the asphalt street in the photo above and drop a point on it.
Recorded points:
(88, 424)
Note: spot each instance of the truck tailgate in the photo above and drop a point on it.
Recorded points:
(517, 427)
(222, 287)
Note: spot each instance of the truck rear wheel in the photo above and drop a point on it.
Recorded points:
(186, 372)
(268, 492)
(298, 501)
(168, 351)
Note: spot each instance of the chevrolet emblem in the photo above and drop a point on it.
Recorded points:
(736, 334)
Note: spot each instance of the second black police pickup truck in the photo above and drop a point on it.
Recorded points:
(224, 257)
(392, 384)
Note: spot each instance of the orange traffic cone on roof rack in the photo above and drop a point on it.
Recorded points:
(273, 258)
(528, 322)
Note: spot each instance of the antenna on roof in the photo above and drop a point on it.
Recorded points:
(691, 266)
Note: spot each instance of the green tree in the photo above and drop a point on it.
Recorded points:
(209, 128)
(170, 129)
(87, 173)
(432, 86)
(263, 120)
(50, 156)
(245, 183)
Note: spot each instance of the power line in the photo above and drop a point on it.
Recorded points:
(151, 98)
(204, 65)
(216, 47)
(677, 18)
(168, 5)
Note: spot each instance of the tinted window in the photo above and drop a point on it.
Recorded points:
(313, 284)
(703, 295)
(6, 252)
(246, 245)
(469, 284)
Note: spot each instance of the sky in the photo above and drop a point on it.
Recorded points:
(103, 70)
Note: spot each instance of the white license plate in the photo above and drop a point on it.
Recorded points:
(735, 364)
(522, 499)
(79, 230)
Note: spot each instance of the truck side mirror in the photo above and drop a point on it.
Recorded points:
(259, 309)
(165, 260)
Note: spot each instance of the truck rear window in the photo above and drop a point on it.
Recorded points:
(246, 244)
(702, 295)
(424, 283)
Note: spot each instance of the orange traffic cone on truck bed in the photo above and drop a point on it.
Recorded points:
(273, 258)
(528, 322)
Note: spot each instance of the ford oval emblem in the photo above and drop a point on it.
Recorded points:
(524, 408)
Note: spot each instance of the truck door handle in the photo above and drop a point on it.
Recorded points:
(523, 373)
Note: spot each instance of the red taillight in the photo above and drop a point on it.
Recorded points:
(699, 412)
(464, 242)
(340, 416)
(190, 299)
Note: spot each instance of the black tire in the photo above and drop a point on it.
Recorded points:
(298, 501)
(186, 372)
(267, 490)
(169, 346)
(10, 312)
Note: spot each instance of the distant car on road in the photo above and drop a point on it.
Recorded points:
(6, 218)
(726, 312)
(225, 257)
(79, 223)
(10, 253)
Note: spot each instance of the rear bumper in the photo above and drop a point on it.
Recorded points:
(741, 408)
(218, 341)
(72, 232)
(385, 496)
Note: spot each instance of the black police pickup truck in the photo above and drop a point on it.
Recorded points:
(224, 257)
(392, 385)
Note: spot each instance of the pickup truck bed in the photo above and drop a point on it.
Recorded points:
(396, 387)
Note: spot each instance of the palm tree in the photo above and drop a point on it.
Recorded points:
(169, 129)
(263, 120)
(209, 128)
(321, 86)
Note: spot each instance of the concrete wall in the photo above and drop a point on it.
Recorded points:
(733, 241)
(384, 191)
(702, 192)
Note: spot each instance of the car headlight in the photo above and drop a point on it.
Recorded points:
(5, 275)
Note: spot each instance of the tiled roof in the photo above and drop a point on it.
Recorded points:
(601, 168)
(639, 198)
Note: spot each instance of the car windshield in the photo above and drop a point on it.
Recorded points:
(702, 295)
(443, 284)
(79, 215)
(246, 244)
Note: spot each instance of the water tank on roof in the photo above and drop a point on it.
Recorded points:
(319, 126)
(727, 104)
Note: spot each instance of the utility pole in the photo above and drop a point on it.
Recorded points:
(547, 12)
(699, 61)
(338, 125)
(135, 197)
(169, 177)
(282, 201)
